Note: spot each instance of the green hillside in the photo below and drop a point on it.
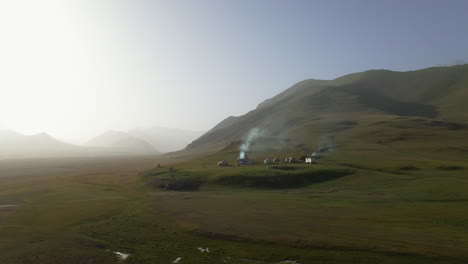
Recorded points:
(315, 108)
(390, 178)
(389, 185)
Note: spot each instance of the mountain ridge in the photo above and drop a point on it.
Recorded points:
(433, 93)
(122, 141)
(166, 139)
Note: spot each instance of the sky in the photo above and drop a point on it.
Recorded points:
(75, 69)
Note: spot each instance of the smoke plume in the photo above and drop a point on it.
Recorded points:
(253, 134)
(325, 143)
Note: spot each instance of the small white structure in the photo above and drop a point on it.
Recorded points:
(267, 161)
(223, 163)
(203, 249)
(308, 160)
(122, 256)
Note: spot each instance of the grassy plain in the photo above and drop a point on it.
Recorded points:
(392, 191)
(406, 194)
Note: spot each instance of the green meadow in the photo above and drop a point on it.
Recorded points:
(372, 199)
(390, 185)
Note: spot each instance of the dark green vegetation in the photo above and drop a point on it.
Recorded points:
(283, 177)
(390, 185)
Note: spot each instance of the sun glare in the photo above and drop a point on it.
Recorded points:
(40, 49)
(50, 65)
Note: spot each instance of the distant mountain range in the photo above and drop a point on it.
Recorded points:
(166, 139)
(122, 142)
(146, 140)
(16, 145)
(309, 115)
(141, 141)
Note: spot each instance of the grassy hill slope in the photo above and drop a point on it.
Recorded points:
(309, 108)
(391, 182)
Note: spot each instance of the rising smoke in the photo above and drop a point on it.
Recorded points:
(253, 134)
(325, 143)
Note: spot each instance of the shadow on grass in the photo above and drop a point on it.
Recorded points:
(176, 180)
(284, 180)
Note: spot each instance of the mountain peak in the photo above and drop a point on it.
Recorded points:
(122, 141)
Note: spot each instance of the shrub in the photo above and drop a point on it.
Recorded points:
(450, 167)
(409, 167)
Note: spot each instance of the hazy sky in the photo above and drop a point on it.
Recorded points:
(77, 68)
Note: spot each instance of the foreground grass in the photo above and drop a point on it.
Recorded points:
(406, 195)
(384, 213)
(380, 213)
(85, 217)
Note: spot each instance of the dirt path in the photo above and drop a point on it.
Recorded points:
(9, 205)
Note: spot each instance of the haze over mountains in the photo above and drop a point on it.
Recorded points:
(166, 139)
(16, 145)
(147, 140)
(121, 141)
(141, 141)
(308, 110)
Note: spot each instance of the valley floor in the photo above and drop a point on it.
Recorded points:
(83, 210)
